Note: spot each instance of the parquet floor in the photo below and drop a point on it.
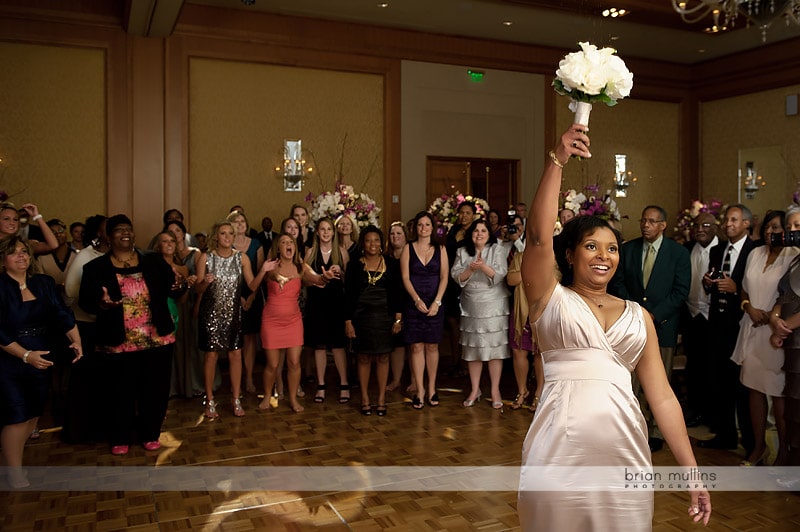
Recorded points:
(331, 434)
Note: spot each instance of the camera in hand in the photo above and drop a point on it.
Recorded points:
(722, 302)
(511, 228)
(787, 238)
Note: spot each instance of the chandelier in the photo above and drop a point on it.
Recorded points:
(762, 13)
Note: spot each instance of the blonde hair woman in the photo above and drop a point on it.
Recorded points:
(219, 275)
(347, 231)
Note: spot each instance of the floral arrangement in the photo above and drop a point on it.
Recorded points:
(592, 76)
(685, 217)
(589, 202)
(445, 208)
(344, 200)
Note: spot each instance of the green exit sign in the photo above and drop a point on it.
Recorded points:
(475, 75)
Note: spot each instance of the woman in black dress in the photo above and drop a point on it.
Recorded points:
(324, 324)
(30, 312)
(373, 312)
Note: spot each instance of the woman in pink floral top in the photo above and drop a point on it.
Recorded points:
(128, 292)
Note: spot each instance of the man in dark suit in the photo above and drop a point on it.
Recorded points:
(724, 281)
(267, 236)
(656, 273)
(694, 326)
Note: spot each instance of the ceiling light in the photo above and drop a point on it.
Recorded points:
(507, 23)
(613, 12)
(762, 13)
(383, 4)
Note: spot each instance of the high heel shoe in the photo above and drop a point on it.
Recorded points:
(760, 461)
(519, 400)
(417, 403)
(497, 405)
(319, 397)
(238, 411)
(344, 394)
(471, 402)
(534, 403)
(211, 409)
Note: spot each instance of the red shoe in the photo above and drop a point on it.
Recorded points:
(152, 445)
(119, 450)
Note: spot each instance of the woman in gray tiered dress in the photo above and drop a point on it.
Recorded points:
(480, 269)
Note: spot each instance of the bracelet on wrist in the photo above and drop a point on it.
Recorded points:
(744, 302)
(438, 302)
(555, 160)
(398, 322)
(25, 356)
(37, 217)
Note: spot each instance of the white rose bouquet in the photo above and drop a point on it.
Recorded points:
(592, 75)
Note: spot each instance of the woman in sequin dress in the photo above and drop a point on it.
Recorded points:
(281, 321)
(424, 270)
(220, 272)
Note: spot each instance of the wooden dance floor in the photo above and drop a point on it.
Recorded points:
(331, 434)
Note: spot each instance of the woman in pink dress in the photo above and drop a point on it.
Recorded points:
(281, 321)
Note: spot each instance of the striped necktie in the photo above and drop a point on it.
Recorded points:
(726, 263)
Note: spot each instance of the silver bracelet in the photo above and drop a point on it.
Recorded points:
(37, 217)
(25, 356)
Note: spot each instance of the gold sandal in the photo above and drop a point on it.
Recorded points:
(519, 400)
(534, 403)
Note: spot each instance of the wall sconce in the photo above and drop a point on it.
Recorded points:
(622, 177)
(752, 181)
(294, 167)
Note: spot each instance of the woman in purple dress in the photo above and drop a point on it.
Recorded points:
(425, 271)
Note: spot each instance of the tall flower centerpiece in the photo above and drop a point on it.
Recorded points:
(593, 75)
(445, 209)
(589, 202)
(344, 200)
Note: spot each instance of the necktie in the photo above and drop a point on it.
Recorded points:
(649, 261)
(726, 263)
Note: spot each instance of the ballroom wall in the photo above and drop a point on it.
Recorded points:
(100, 120)
(52, 137)
(742, 123)
(444, 114)
(239, 115)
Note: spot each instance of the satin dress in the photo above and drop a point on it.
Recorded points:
(588, 416)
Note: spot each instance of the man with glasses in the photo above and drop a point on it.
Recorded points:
(656, 273)
(696, 340)
(730, 397)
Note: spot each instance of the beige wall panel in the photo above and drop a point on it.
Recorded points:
(239, 115)
(52, 138)
(645, 131)
(444, 114)
(743, 123)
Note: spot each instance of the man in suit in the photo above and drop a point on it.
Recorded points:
(267, 236)
(656, 273)
(724, 282)
(696, 337)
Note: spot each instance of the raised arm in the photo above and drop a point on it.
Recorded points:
(538, 263)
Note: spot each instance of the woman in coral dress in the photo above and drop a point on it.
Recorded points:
(281, 321)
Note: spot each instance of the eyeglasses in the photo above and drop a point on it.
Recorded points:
(703, 225)
(649, 221)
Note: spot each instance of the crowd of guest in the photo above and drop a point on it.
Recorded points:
(152, 321)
